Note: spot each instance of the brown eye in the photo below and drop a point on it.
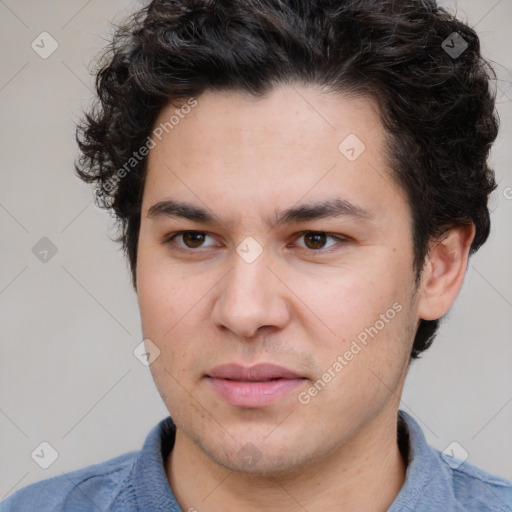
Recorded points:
(315, 240)
(319, 241)
(189, 239)
(193, 239)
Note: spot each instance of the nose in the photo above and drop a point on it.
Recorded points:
(251, 299)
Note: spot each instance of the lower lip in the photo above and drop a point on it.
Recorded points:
(253, 394)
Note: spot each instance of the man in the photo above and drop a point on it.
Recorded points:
(300, 185)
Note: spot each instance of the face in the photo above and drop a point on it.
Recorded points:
(275, 275)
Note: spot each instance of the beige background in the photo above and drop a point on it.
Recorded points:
(69, 326)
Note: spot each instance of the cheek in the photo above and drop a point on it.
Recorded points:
(157, 310)
(166, 309)
(162, 295)
(172, 314)
(367, 365)
(351, 300)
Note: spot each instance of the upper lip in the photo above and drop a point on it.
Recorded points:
(258, 372)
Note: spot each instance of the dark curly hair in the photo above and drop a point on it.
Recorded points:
(437, 106)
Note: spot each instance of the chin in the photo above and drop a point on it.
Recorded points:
(258, 458)
(266, 465)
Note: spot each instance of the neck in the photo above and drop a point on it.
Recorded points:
(364, 474)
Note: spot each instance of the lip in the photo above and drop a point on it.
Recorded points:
(253, 387)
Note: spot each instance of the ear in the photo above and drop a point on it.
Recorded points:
(443, 272)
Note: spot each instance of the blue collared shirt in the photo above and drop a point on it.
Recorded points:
(137, 482)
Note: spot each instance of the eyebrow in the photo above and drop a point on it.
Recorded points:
(305, 212)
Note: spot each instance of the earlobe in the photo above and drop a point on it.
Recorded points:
(443, 272)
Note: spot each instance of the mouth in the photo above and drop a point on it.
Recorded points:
(253, 387)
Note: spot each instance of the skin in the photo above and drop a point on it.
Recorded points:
(299, 305)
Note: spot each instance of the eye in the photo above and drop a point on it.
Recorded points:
(313, 240)
(190, 239)
(317, 240)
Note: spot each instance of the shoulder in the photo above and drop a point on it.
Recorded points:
(438, 480)
(94, 487)
(475, 489)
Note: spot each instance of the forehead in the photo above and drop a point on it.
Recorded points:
(294, 143)
(287, 115)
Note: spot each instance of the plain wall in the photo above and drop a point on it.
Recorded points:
(69, 325)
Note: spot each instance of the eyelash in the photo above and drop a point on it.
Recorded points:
(340, 239)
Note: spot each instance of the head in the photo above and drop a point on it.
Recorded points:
(249, 117)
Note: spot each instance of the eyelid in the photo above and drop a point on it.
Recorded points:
(339, 238)
(168, 239)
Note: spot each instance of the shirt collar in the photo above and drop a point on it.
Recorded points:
(149, 476)
(424, 468)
